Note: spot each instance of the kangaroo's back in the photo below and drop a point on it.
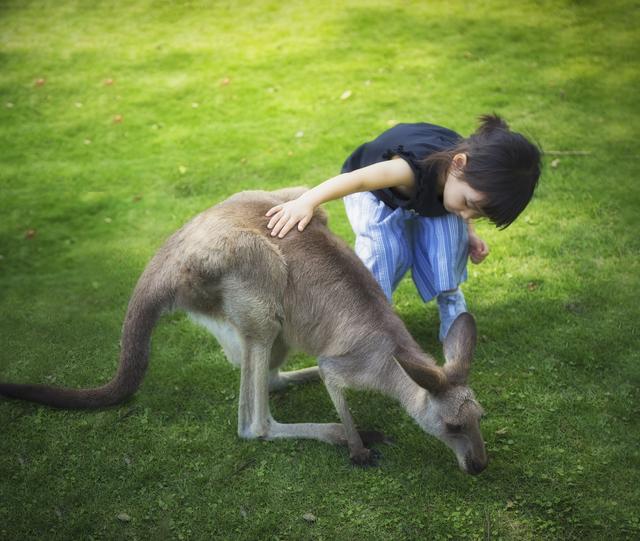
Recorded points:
(328, 288)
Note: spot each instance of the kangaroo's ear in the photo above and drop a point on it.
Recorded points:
(429, 376)
(459, 347)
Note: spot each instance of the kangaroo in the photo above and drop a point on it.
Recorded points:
(262, 297)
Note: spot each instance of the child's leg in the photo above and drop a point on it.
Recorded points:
(441, 247)
(381, 238)
(450, 305)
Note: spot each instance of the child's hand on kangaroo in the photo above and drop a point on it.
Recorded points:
(285, 216)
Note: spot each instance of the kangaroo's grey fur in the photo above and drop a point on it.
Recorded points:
(261, 297)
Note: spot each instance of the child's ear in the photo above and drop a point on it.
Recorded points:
(460, 160)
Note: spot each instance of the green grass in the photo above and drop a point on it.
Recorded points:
(557, 367)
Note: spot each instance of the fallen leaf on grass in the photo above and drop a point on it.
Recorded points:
(532, 286)
(501, 431)
(554, 163)
(40, 82)
(123, 517)
(107, 82)
(225, 81)
(309, 517)
(118, 119)
(30, 233)
(345, 95)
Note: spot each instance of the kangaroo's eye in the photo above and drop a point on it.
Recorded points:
(454, 428)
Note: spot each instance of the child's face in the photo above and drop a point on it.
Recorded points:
(459, 197)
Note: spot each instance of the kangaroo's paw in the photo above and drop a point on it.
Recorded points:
(365, 458)
(371, 437)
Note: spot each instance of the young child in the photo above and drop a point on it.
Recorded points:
(411, 195)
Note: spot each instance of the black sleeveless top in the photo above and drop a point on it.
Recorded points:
(413, 143)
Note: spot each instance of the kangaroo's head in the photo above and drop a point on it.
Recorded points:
(450, 410)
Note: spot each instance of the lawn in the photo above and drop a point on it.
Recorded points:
(121, 120)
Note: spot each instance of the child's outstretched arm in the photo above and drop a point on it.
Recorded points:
(387, 174)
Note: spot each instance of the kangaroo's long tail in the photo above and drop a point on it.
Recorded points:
(151, 297)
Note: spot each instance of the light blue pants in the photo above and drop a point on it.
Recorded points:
(389, 242)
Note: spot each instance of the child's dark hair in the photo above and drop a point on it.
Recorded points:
(503, 165)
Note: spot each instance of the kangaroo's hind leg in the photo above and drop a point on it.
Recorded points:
(254, 416)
